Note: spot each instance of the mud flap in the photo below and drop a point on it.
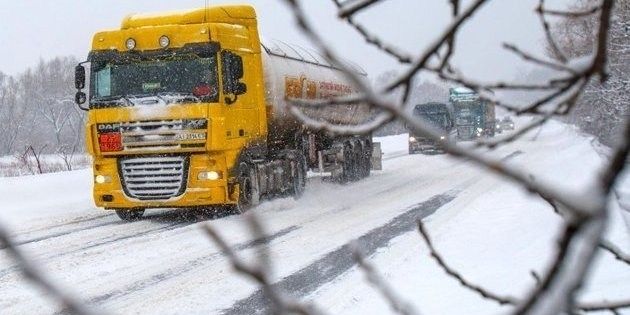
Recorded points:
(377, 157)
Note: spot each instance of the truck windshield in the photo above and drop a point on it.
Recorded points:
(438, 120)
(182, 79)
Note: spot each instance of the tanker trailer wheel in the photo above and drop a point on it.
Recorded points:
(130, 215)
(347, 167)
(364, 161)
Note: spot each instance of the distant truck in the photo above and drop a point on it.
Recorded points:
(474, 117)
(189, 110)
(439, 116)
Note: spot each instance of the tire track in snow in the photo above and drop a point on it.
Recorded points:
(15, 268)
(335, 263)
(71, 222)
(63, 233)
(181, 220)
(186, 267)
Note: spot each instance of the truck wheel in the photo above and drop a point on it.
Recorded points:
(130, 215)
(248, 195)
(357, 163)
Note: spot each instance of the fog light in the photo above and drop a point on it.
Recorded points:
(164, 41)
(212, 175)
(130, 43)
(101, 179)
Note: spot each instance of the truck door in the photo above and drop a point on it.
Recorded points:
(241, 116)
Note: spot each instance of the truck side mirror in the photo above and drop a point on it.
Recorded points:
(237, 67)
(232, 74)
(80, 98)
(79, 77)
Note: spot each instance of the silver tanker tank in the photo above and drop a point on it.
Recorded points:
(292, 72)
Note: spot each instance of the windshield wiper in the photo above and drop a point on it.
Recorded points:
(177, 97)
(114, 100)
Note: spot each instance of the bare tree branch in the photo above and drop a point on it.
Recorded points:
(260, 271)
(374, 40)
(397, 305)
(605, 306)
(615, 251)
(38, 278)
(536, 60)
(552, 43)
(432, 49)
(355, 6)
(502, 300)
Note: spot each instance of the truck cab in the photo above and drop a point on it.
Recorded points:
(474, 117)
(439, 116)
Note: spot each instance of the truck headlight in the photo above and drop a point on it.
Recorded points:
(102, 179)
(212, 175)
(442, 137)
(412, 139)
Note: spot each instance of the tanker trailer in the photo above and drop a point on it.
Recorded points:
(189, 110)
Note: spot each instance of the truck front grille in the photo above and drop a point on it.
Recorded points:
(154, 178)
(163, 134)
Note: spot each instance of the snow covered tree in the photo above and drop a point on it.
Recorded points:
(604, 106)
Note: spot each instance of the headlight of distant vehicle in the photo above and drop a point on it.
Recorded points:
(412, 139)
(442, 137)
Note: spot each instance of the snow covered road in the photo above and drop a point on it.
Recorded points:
(492, 231)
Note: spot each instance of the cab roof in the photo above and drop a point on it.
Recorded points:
(245, 14)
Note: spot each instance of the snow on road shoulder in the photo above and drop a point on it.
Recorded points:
(394, 145)
(495, 234)
(39, 199)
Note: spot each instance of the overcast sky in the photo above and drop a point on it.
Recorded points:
(34, 29)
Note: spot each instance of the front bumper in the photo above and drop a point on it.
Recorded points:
(196, 192)
(425, 147)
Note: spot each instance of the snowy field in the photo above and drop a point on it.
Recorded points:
(27, 164)
(490, 230)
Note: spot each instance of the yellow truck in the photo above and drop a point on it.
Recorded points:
(190, 110)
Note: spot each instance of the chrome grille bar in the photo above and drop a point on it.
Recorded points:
(154, 178)
(158, 135)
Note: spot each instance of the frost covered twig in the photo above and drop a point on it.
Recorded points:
(37, 277)
(355, 7)
(537, 60)
(613, 307)
(557, 52)
(540, 283)
(260, 272)
(615, 251)
(502, 300)
(374, 40)
(585, 213)
(388, 293)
